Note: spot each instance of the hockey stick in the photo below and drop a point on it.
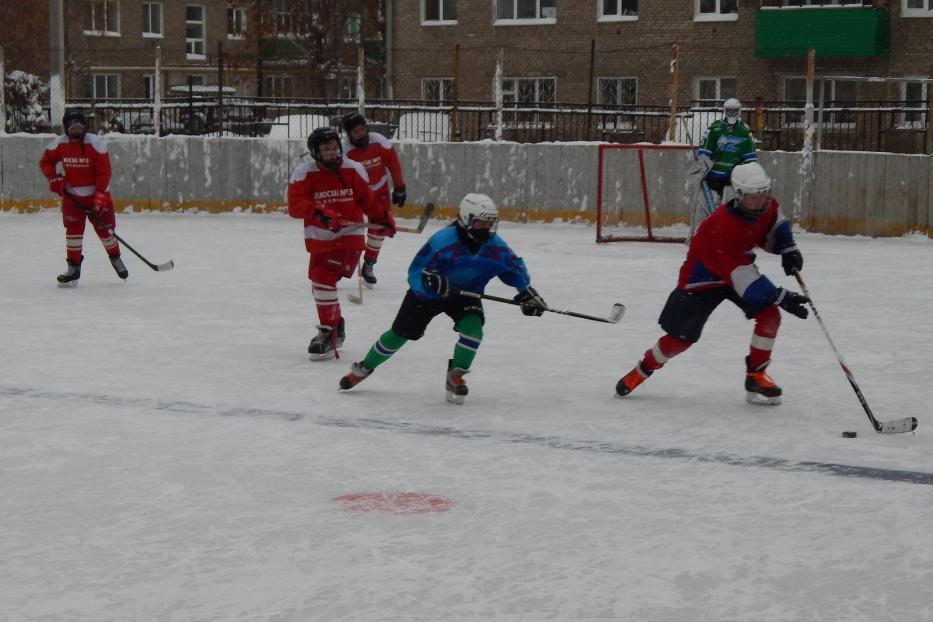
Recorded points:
(357, 298)
(422, 220)
(615, 314)
(707, 197)
(162, 267)
(895, 426)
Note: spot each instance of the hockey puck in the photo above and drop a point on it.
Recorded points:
(849, 434)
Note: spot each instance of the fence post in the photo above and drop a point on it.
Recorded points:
(759, 114)
(220, 88)
(454, 113)
(2, 93)
(360, 81)
(157, 92)
(806, 162)
(498, 93)
(930, 112)
(589, 94)
(672, 99)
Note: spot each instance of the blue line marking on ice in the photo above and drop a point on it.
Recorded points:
(551, 442)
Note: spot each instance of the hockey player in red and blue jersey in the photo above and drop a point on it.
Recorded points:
(378, 157)
(83, 184)
(463, 256)
(331, 194)
(720, 266)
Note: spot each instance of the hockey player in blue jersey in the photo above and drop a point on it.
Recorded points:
(465, 255)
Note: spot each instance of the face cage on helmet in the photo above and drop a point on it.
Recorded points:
(494, 220)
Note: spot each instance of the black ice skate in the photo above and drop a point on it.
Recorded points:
(759, 388)
(631, 380)
(456, 387)
(358, 373)
(369, 279)
(71, 275)
(119, 267)
(325, 343)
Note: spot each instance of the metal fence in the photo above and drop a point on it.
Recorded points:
(895, 126)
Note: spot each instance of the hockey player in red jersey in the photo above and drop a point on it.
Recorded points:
(378, 157)
(720, 266)
(83, 185)
(331, 194)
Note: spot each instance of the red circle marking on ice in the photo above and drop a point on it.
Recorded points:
(395, 502)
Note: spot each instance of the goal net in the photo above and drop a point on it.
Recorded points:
(643, 193)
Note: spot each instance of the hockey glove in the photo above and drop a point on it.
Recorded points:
(100, 201)
(399, 195)
(387, 222)
(57, 184)
(532, 302)
(792, 262)
(326, 218)
(435, 283)
(792, 302)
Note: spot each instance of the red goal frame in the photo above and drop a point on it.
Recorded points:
(601, 236)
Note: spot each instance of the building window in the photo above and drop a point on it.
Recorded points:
(714, 91)
(839, 94)
(716, 10)
(236, 22)
(277, 86)
(283, 17)
(437, 90)
(914, 94)
(438, 11)
(918, 8)
(529, 90)
(526, 10)
(194, 31)
(149, 86)
(617, 10)
(103, 18)
(617, 92)
(152, 19)
(105, 86)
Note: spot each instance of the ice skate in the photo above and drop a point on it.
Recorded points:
(456, 387)
(369, 279)
(119, 267)
(358, 373)
(324, 345)
(631, 380)
(760, 388)
(69, 278)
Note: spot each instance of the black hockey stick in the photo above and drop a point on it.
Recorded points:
(615, 314)
(162, 267)
(422, 222)
(896, 426)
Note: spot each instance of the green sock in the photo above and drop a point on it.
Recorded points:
(388, 344)
(470, 328)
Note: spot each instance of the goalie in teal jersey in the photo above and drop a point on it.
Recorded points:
(726, 143)
(465, 256)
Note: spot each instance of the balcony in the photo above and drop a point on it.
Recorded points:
(831, 31)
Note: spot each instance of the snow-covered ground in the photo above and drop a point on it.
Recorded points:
(167, 452)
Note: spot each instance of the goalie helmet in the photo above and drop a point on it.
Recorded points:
(752, 186)
(732, 109)
(317, 138)
(478, 217)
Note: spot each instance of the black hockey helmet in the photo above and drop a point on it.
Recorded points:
(320, 136)
(350, 121)
(74, 117)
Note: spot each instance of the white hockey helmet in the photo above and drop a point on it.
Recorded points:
(478, 208)
(732, 109)
(751, 180)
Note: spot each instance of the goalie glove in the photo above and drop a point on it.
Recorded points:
(700, 168)
(531, 301)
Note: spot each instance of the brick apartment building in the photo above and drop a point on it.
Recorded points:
(270, 48)
(743, 48)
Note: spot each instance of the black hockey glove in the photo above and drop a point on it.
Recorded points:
(792, 261)
(792, 302)
(532, 302)
(435, 282)
(399, 195)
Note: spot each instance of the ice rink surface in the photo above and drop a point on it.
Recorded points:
(168, 453)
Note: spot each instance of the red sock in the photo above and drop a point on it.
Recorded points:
(666, 348)
(767, 323)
